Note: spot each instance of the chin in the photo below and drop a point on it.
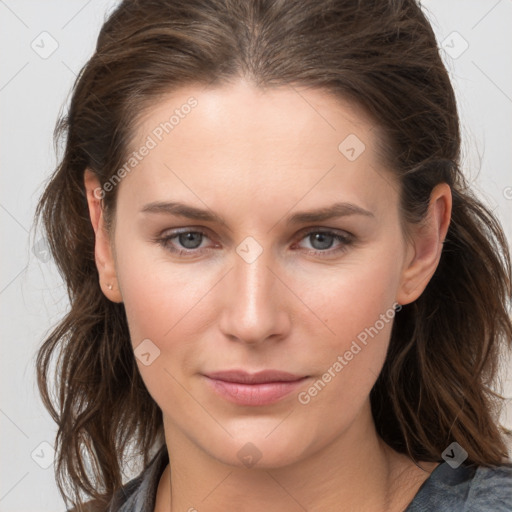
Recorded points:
(261, 450)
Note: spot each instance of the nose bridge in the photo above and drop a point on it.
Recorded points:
(253, 276)
(253, 311)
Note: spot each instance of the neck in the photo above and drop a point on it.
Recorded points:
(356, 471)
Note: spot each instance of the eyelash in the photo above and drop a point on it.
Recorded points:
(345, 239)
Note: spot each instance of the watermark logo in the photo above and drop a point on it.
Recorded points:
(146, 352)
(45, 45)
(454, 45)
(249, 249)
(43, 455)
(249, 455)
(41, 250)
(455, 455)
(352, 147)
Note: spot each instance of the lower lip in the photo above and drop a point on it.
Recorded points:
(254, 394)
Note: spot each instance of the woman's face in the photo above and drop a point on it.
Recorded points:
(255, 285)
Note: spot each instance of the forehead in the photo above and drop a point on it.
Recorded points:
(241, 111)
(253, 143)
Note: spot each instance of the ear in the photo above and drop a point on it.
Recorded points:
(424, 250)
(103, 253)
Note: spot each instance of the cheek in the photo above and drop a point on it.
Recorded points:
(168, 304)
(355, 296)
(163, 309)
(157, 294)
(358, 308)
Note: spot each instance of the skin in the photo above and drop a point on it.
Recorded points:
(255, 157)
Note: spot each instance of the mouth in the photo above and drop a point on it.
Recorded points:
(260, 388)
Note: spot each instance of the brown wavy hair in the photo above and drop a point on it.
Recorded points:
(437, 383)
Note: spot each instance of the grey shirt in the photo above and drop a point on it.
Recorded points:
(464, 489)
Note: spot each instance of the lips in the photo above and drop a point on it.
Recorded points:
(243, 377)
(260, 388)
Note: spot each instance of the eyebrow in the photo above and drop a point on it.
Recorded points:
(320, 214)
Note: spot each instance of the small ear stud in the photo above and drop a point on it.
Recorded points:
(109, 286)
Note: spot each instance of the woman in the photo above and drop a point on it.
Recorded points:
(284, 296)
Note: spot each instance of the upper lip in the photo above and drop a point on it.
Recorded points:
(243, 377)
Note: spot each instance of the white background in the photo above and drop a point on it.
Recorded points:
(32, 92)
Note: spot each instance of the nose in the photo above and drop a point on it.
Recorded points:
(255, 300)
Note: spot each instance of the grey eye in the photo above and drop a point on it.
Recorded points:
(190, 239)
(324, 240)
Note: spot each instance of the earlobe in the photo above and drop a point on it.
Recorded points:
(424, 251)
(102, 246)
